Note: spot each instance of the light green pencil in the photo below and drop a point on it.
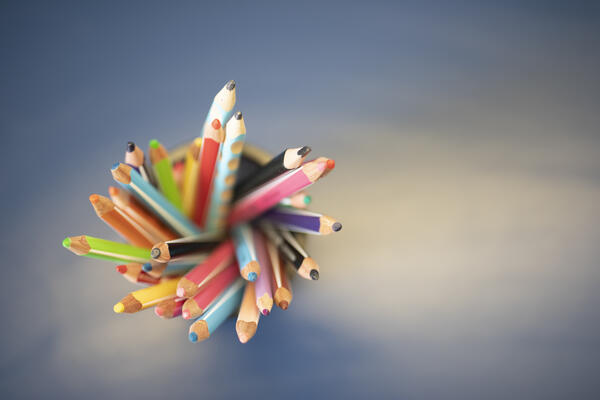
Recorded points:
(106, 250)
(164, 173)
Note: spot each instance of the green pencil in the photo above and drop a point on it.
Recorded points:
(164, 173)
(106, 250)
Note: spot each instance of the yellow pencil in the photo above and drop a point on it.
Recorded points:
(147, 297)
(190, 176)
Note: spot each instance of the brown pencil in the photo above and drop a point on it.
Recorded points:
(248, 316)
(120, 222)
(282, 290)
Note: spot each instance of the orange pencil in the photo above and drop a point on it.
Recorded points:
(123, 200)
(123, 224)
(248, 316)
(280, 285)
(213, 137)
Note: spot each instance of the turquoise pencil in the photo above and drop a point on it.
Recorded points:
(222, 105)
(245, 252)
(132, 181)
(217, 313)
(226, 174)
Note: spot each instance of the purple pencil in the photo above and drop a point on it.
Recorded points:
(303, 221)
(264, 293)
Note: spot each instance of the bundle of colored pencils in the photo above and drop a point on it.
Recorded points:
(210, 226)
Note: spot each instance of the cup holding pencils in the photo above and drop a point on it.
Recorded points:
(212, 228)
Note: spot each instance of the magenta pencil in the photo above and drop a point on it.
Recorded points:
(264, 292)
(272, 192)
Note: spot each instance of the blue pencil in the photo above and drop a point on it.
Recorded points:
(226, 173)
(222, 105)
(217, 313)
(149, 195)
(245, 252)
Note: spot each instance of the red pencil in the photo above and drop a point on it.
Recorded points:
(213, 137)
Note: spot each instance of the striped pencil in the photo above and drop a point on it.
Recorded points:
(269, 194)
(120, 222)
(226, 172)
(263, 292)
(302, 221)
(291, 251)
(139, 214)
(216, 262)
(133, 182)
(280, 285)
(89, 246)
(195, 306)
(134, 156)
(285, 161)
(169, 308)
(190, 176)
(222, 105)
(163, 170)
(217, 313)
(245, 252)
(146, 297)
(211, 142)
(248, 316)
(133, 273)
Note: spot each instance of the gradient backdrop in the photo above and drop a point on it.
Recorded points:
(468, 181)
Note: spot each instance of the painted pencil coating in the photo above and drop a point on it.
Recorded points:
(163, 170)
(217, 313)
(222, 105)
(245, 252)
(303, 221)
(132, 181)
(147, 297)
(106, 250)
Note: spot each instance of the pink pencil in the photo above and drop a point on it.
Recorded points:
(264, 293)
(272, 192)
(196, 306)
(216, 262)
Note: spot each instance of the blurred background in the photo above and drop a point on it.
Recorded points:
(467, 179)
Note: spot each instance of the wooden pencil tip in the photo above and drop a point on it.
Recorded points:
(94, 198)
(283, 305)
(121, 173)
(113, 191)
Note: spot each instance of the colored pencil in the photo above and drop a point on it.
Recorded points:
(245, 252)
(222, 105)
(134, 156)
(285, 161)
(105, 249)
(302, 221)
(133, 273)
(132, 181)
(169, 308)
(190, 177)
(248, 316)
(269, 194)
(329, 163)
(217, 313)
(176, 249)
(195, 306)
(180, 267)
(120, 222)
(139, 214)
(178, 171)
(146, 297)
(217, 261)
(291, 251)
(211, 141)
(298, 200)
(280, 284)
(226, 173)
(163, 170)
(264, 294)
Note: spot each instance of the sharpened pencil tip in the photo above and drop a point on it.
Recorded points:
(307, 200)
(115, 166)
(67, 243)
(94, 198)
(147, 267)
(154, 144)
(336, 227)
(265, 312)
(130, 147)
(252, 276)
(216, 124)
(113, 191)
(121, 269)
(304, 151)
(193, 336)
(330, 164)
(119, 308)
(230, 85)
(238, 115)
(284, 305)
(155, 253)
(314, 275)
